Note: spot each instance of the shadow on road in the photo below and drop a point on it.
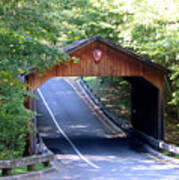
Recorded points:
(93, 145)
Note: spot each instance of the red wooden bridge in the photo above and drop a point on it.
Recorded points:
(100, 57)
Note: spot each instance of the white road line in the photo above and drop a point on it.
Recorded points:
(63, 133)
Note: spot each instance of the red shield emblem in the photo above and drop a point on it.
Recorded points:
(97, 54)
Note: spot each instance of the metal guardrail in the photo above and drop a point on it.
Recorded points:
(157, 144)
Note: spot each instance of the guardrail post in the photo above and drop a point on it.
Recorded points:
(6, 171)
(46, 164)
(7, 165)
(31, 167)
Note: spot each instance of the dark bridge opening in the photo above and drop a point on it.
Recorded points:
(145, 105)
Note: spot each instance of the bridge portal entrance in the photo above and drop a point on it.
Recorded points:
(100, 57)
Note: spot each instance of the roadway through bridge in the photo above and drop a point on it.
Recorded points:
(86, 147)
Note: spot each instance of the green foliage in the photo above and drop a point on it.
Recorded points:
(28, 36)
(32, 33)
(122, 91)
(175, 83)
(24, 169)
(149, 28)
(114, 94)
(13, 116)
(153, 33)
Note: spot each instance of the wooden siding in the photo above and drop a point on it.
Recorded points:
(113, 63)
(118, 63)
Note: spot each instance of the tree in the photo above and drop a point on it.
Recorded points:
(28, 35)
(32, 33)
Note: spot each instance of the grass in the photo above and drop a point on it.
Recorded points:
(176, 156)
(23, 169)
(171, 130)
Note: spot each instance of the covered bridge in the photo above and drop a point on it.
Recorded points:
(100, 57)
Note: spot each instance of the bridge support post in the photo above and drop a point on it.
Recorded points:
(161, 116)
(31, 137)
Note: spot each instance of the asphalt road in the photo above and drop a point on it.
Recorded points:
(86, 148)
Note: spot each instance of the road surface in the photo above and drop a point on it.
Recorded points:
(86, 148)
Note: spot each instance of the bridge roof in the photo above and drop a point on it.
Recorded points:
(83, 42)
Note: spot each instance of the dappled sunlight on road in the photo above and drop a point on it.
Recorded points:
(114, 167)
(119, 135)
(78, 126)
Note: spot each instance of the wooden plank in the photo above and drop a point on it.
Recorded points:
(26, 161)
(113, 63)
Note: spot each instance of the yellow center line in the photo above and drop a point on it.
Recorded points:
(91, 107)
(157, 159)
(103, 121)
